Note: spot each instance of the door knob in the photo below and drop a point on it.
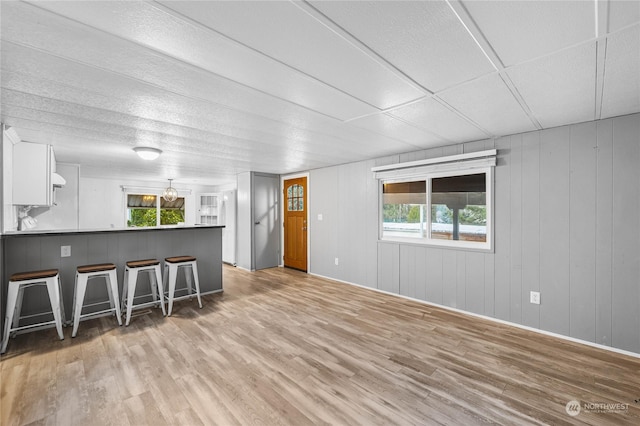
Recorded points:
(257, 223)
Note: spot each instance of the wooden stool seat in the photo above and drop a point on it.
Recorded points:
(178, 259)
(142, 263)
(96, 268)
(33, 275)
(85, 273)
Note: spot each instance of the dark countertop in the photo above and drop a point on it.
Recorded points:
(37, 232)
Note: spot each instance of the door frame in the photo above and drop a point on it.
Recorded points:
(309, 227)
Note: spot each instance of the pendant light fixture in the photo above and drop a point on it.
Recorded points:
(170, 194)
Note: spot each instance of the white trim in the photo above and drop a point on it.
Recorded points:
(155, 190)
(497, 320)
(442, 169)
(438, 160)
(308, 208)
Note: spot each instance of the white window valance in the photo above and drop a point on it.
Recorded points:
(452, 163)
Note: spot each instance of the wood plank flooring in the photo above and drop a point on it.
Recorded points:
(282, 347)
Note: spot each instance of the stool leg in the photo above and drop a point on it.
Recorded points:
(187, 276)
(63, 317)
(81, 289)
(131, 290)
(194, 269)
(18, 310)
(12, 298)
(124, 289)
(173, 272)
(160, 287)
(53, 287)
(112, 289)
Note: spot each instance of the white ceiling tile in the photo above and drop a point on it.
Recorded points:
(148, 26)
(621, 90)
(559, 89)
(395, 128)
(623, 13)
(289, 34)
(502, 116)
(425, 40)
(435, 118)
(522, 30)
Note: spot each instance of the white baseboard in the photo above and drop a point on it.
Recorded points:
(473, 314)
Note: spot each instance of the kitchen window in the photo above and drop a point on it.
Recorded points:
(153, 210)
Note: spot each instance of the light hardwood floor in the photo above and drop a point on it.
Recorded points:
(283, 347)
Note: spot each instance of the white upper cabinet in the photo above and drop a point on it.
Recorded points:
(33, 168)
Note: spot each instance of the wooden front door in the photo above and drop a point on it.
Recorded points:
(295, 223)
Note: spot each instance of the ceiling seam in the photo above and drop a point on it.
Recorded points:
(602, 11)
(463, 116)
(487, 49)
(354, 41)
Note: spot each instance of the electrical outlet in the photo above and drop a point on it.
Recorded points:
(336, 261)
(534, 297)
(65, 251)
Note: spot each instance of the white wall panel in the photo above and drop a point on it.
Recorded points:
(530, 226)
(502, 189)
(554, 229)
(515, 230)
(604, 232)
(323, 186)
(626, 234)
(582, 222)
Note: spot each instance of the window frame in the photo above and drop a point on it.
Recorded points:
(427, 240)
(158, 207)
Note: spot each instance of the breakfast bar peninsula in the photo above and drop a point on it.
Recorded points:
(66, 250)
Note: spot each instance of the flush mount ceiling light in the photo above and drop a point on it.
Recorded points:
(170, 194)
(147, 153)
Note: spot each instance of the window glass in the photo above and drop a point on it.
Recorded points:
(295, 198)
(171, 212)
(403, 209)
(459, 208)
(142, 210)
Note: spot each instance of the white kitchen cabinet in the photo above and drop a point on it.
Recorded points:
(208, 210)
(33, 168)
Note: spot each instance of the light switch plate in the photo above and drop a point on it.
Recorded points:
(65, 251)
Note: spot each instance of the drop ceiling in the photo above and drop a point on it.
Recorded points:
(225, 87)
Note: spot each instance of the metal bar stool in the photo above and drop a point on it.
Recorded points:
(190, 266)
(132, 268)
(17, 284)
(83, 275)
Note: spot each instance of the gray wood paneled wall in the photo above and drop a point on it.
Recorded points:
(567, 224)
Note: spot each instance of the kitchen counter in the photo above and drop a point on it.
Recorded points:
(103, 230)
(34, 250)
